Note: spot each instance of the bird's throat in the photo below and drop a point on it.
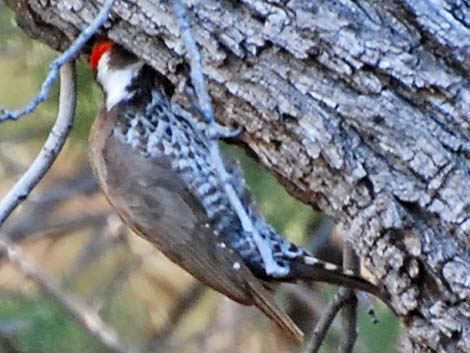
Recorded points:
(116, 82)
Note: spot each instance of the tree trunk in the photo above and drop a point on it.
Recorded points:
(361, 108)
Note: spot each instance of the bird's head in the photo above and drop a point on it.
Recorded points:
(115, 69)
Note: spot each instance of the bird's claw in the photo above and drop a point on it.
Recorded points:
(273, 269)
(216, 131)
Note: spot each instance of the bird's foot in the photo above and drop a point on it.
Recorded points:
(212, 130)
(215, 132)
(273, 269)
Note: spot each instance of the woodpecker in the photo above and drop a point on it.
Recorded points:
(154, 166)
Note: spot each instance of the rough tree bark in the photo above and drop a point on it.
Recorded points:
(359, 107)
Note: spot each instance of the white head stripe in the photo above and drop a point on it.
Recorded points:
(115, 81)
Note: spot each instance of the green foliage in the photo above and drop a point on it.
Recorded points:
(51, 330)
(382, 336)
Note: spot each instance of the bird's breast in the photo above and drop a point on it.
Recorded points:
(154, 201)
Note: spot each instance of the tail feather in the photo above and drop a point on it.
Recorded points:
(265, 302)
(309, 268)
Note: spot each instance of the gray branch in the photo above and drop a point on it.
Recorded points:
(344, 299)
(51, 149)
(351, 262)
(79, 310)
(55, 66)
(56, 139)
(359, 107)
(321, 328)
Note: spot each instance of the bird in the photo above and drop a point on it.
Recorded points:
(153, 164)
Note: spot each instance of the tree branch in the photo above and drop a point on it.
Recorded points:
(81, 312)
(344, 299)
(52, 147)
(54, 143)
(189, 300)
(351, 262)
(55, 66)
(322, 326)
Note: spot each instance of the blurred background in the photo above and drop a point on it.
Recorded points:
(67, 228)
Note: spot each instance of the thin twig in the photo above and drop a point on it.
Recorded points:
(120, 278)
(196, 338)
(322, 326)
(81, 312)
(53, 145)
(197, 68)
(99, 243)
(351, 262)
(40, 228)
(36, 215)
(197, 79)
(87, 318)
(67, 188)
(189, 300)
(344, 299)
(55, 66)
